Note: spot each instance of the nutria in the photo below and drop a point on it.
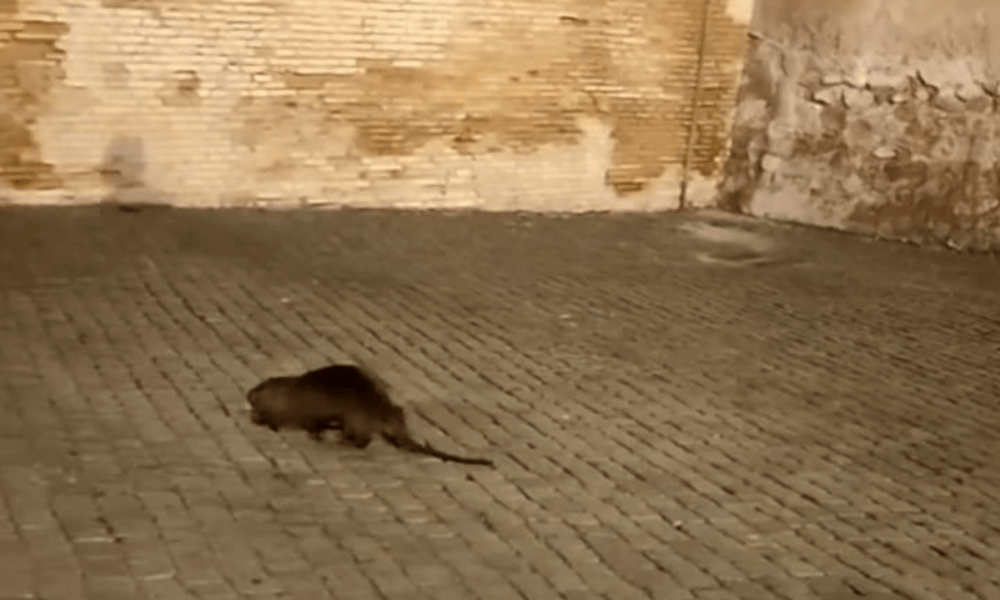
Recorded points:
(341, 396)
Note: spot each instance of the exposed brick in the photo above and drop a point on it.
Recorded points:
(500, 104)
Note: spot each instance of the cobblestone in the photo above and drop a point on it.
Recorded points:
(820, 423)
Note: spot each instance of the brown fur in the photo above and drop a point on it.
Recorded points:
(345, 397)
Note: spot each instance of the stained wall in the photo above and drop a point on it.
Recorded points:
(499, 104)
(877, 116)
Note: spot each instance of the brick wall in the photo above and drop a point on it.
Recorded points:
(528, 104)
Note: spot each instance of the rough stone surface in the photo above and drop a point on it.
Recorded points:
(822, 425)
(489, 103)
(899, 96)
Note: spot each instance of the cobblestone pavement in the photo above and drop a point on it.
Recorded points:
(668, 422)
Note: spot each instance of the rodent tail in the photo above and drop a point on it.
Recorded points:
(407, 443)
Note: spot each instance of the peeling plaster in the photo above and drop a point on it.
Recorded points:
(862, 116)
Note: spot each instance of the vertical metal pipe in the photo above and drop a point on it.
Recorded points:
(695, 98)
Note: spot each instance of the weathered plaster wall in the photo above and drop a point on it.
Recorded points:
(563, 104)
(872, 115)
